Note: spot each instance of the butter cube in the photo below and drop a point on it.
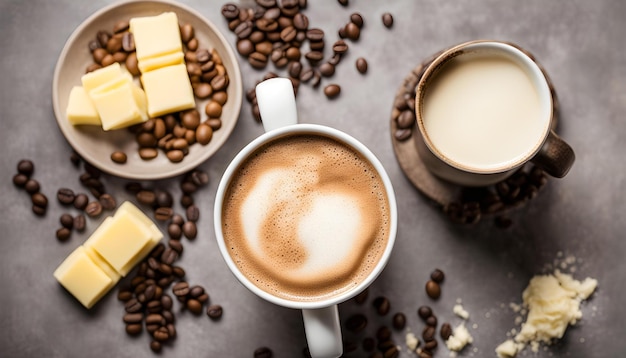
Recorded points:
(119, 241)
(101, 262)
(168, 90)
(83, 278)
(156, 35)
(80, 109)
(116, 104)
(154, 63)
(101, 76)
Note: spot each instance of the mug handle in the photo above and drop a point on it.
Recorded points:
(555, 157)
(277, 105)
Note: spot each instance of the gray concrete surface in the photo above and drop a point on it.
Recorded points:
(580, 43)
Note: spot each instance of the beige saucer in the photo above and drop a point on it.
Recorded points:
(440, 192)
(95, 145)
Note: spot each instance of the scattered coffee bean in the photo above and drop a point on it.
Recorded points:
(20, 180)
(38, 210)
(361, 65)
(25, 167)
(343, 2)
(147, 197)
(387, 20)
(437, 275)
(446, 331)
(155, 346)
(190, 230)
(230, 11)
(402, 134)
(399, 321)
(383, 334)
(362, 297)
(392, 352)
(431, 321)
(327, 69)
(63, 234)
(193, 213)
(79, 223)
(186, 200)
(107, 202)
(382, 305)
(134, 329)
(424, 312)
(40, 200)
(352, 31)
(368, 344)
(357, 19)
(433, 290)
(119, 157)
(32, 186)
(332, 90)
(93, 209)
(181, 289)
(65, 196)
(194, 306)
(215, 311)
(163, 213)
(406, 119)
(263, 352)
(67, 221)
(428, 333)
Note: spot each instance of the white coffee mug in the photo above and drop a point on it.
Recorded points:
(321, 319)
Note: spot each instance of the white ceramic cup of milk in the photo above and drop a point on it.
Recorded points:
(241, 212)
(484, 109)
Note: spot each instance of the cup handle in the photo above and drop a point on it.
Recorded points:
(277, 103)
(323, 332)
(555, 157)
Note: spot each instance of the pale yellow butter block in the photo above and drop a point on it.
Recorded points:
(80, 109)
(117, 106)
(128, 209)
(83, 278)
(156, 35)
(155, 63)
(101, 262)
(168, 90)
(101, 76)
(120, 241)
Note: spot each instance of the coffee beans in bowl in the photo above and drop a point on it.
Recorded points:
(105, 39)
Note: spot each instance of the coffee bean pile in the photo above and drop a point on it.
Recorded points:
(433, 288)
(173, 133)
(276, 32)
(23, 180)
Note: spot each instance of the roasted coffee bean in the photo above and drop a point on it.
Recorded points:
(181, 289)
(402, 134)
(193, 213)
(38, 210)
(20, 180)
(327, 69)
(40, 200)
(148, 153)
(32, 186)
(204, 133)
(199, 178)
(406, 119)
(387, 20)
(79, 223)
(124, 295)
(188, 187)
(128, 42)
(263, 352)
(155, 346)
(215, 311)
(25, 167)
(176, 246)
(257, 60)
(114, 46)
(98, 55)
(245, 47)
(163, 198)
(204, 298)
(134, 329)
(219, 82)
(93, 45)
(306, 75)
(186, 201)
(293, 54)
(107, 60)
(63, 234)
(132, 65)
(288, 34)
(342, 32)
(220, 97)
(65, 196)
(399, 321)
(332, 90)
(383, 346)
(147, 197)
(428, 333)
(202, 90)
(315, 34)
(343, 2)
(244, 29)
(133, 317)
(161, 334)
(163, 213)
(196, 291)
(213, 109)
(357, 19)
(166, 302)
(352, 31)
(392, 352)
(340, 47)
(175, 155)
(424, 312)
(190, 230)
(446, 331)
(301, 22)
(67, 221)
(169, 256)
(431, 321)
(437, 275)
(356, 323)
(93, 209)
(317, 79)
(178, 271)
(133, 305)
(295, 67)
(107, 202)
(433, 290)
(362, 297)
(361, 65)
(194, 306)
(383, 334)
(187, 32)
(382, 305)
(230, 11)
(118, 157)
(314, 56)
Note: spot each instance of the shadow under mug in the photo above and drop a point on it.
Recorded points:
(321, 320)
(546, 150)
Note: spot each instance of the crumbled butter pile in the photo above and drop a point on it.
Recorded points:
(459, 338)
(553, 303)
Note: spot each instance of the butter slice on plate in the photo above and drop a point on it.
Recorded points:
(80, 109)
(156, 35)
(168, 90)
(154, 63)
(116, 104)
(101, 76)
(83, 278)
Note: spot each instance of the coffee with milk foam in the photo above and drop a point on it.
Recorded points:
(306, 218)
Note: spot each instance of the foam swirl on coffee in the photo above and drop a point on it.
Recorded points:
(306, 218)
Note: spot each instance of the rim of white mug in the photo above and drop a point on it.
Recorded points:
(531, 68)
(295, 129)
